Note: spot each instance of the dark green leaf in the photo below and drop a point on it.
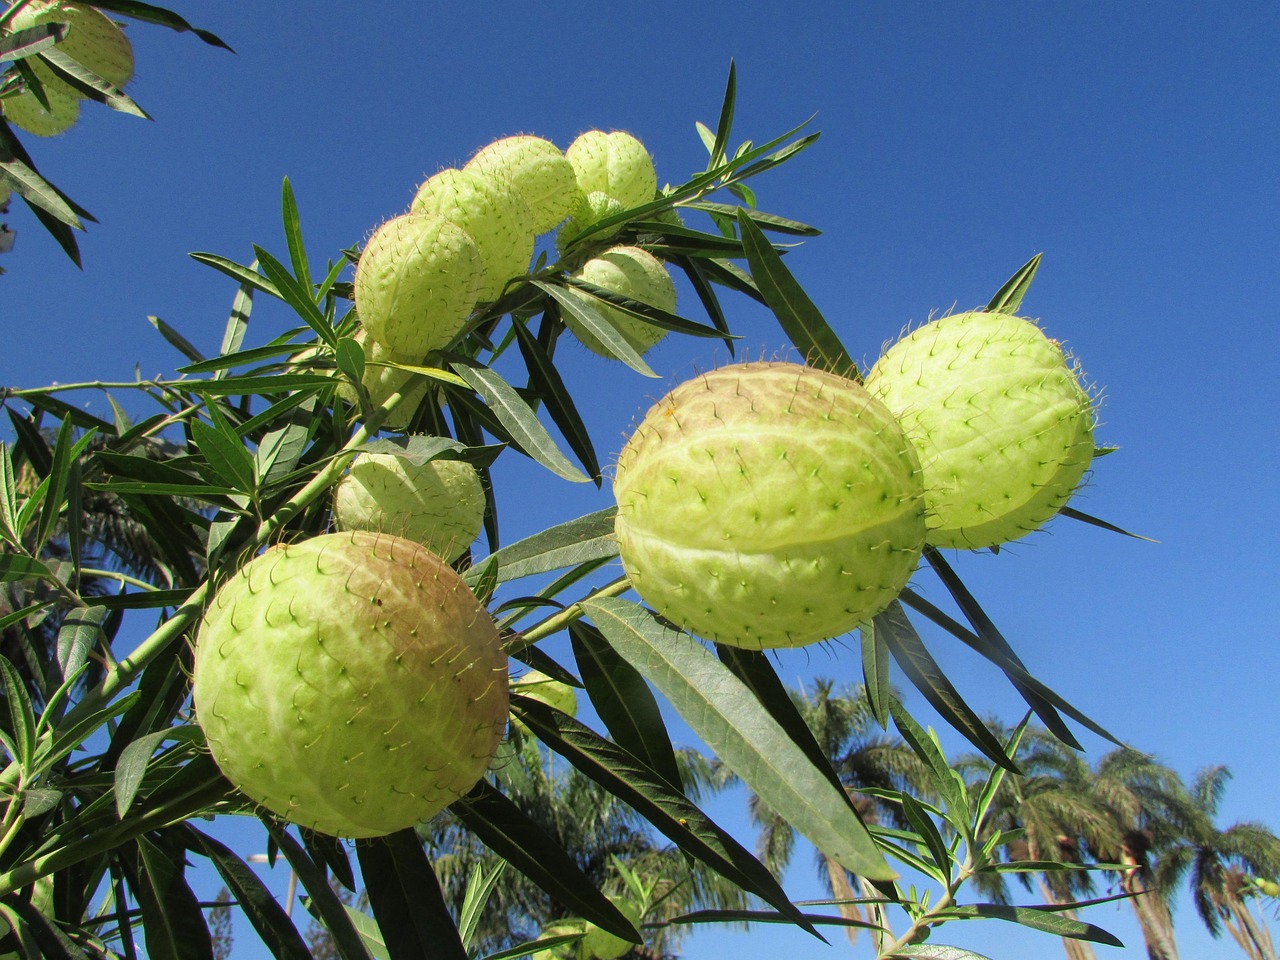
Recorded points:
(22, 718)
(273, 925)
(8, 498)
(14, 567)
(935, 951)
(324, 903)
(66, 411)
(1009, 297)
(720, 709)
(51, 509)
(406, 899)
(224, 451)
(875, 673)
(927, 830)
(161, 16)
(131, 767)
(298, 296)
(147, 599)
(247, 276)
(1094, 521)
(651, 315)
(598, 325)
(40, 936)
(521, 422)
(1036, 918)
(89, 84)
(695, 271)
(81, 632)
(253, 355)
(514, 836)
(922, 670)
(544, 377)
(992, 637)
(624, 703)
(293, 236)
(247, 386)
(753, 668)
(172, 922)
(796, 313)
(31, 40)
(720, 146)
(238, 321)
(40, 195)
(766, 221)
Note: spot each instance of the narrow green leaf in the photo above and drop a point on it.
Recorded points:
(624, 702)
(247, 276)
(22, 718)
(370, 934)
(25, 612)
(161, 16)
(281, 448)
(273, 925)
(520, 841)
(935, 951)
(224, 451)
(8, 498)
(695, 271)
(244, 357)
(15, 567)
(81, 632)
(1037, 918)
(753, 668)
(992, 637)
(724, 125)
(544, 377)
(132, 765)
(39, 935)
(479, 889)
(238, 320)
(766, 221)
(176, 340)
(249, 385)
(1009, 297)
(589, 537)
(54, 499)
(1075, 514)
(296, 295)
(926, 748)
(720, 709)
(406, 899)
(39, 194)
(924, 673)
(931, 839)
(172, 922)
(992, 785)
(922, 606)
(519, 419)
(293, 235)
(598, 325)
(31, 40)
(796, 313)
(324, 903)
(90, 85)
(651, 315)
(875, 673)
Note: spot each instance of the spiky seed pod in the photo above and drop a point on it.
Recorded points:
(633, 273)
(417, 281)
(382, 381)
(1001, 423)
(616, 164)
(23, 110)
(538, 171)
(492, 212)
(589, 210)
(536, 685)
(351, 683)
(439, 503)
(768, 505)
(93, 40)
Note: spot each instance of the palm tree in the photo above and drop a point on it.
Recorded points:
(862, 756)
(1220, 865)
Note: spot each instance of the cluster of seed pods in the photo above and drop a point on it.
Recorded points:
(775, 505)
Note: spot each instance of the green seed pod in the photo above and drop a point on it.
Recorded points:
(600, 944)
(23, 110)
(439, 504)
(587, 212)
(538, 171)
(350, 683)
(417, 281)
(768, 505)
(536, 685)
(633, 273)
(93, 39)
(615, 164)
(493, 214)
(1001, 424)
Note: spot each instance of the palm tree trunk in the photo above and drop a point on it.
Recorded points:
(1253, 938)
(1075, 949)
(1152, 912)
(841, 889)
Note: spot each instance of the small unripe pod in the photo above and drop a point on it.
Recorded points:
(492, 213)
(768, 505)
(538, 171)
(536, 685)
(439, 504)
(615, 164)
(24, 111)
(382, 381)
(350, 683)
(417, 281)
(587, 212)
(1001, 424)
(633, 273)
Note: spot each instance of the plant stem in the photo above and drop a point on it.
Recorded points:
(558, 621)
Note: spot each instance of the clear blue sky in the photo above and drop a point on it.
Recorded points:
(1133, 144)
